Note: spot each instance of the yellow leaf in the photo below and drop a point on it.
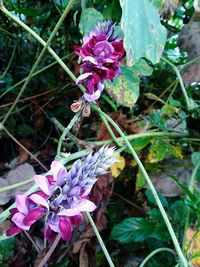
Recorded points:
(192, 246)
(117, 167)
(177, 151)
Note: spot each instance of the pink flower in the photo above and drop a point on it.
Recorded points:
(28, 210)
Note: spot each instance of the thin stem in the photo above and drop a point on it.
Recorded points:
(148, 180)
(13, 186)
(100, 239)
(10, 61)
(155, 252)
(187, 100)
(193, 61)
(50, 251)
(65, 132)
(33, 75)
(59, 23)
(187, 220)
(37, 37)
(110, 130)
(24, 148)
(32, 241)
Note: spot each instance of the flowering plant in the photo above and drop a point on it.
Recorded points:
(62, 197)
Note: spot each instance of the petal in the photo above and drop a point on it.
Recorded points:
(92, 97)
(76, 220)
(21, 203)
(13, 230)
(86, 205)
(59, 171)
(69, 212)
(91, 60)
(33, 216)
(83, 77)
(49, 234)
(18, 219)
(42, 182)
(65, 228)
(39, 200)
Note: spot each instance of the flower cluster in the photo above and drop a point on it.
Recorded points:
(100, 53)
(62, 196)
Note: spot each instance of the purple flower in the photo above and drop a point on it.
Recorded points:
(101, 53)
(63, 196)
(28, 210)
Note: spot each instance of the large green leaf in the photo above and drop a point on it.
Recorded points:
(158, 3)
(125, 88)
(144, 36)
(132, 230)
(89, 20)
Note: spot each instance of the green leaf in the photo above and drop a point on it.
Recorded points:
(112, 10)
(140, 181)
(152, 200)
(144, 34)
(132, 230)
(6, 249)
(158, 150)
(158, 3)
(89, 20)
(195, 158)
(125, 88)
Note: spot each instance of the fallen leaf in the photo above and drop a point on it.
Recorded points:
(117, 167)
(192, 246)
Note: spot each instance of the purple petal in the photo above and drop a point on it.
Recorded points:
(69, 212)
(39, 200)
(42, 182)
(54, 223)
(33, 216)
(92, 97)
(59, 171)
(76, 220)
(21, 204)
(49, 234)
(91, 60)
(13, 230)
(18, 219)
(83, 77)
(103, 49)
(65, 228)
(86, 205)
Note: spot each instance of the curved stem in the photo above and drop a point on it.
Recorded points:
(100, 239)
(187, 100)
(39, 39)
(33, 75)
(187, 220)
(13, 186)
(59, 23)
(155, 252)
(65, 132)
(148, 180)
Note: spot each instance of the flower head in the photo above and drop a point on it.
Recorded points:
(63, 195)
(101, 53)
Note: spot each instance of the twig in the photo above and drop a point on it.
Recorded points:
(50, 251)
(23, 147)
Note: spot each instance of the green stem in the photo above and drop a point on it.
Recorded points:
(155, 252)
(187, 100)
(13, 186)
(187, 220)
(10, 61)
(33, 75)
(193, 61)
(37, 37)
(100, 239)
(59, 23)
(148, 180)
(65, 132)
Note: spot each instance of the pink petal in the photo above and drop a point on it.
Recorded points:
(58, 170)
(69, 212)
(92, 97)
(18, 219)
(86, 205)
(76, 220)
(33, 216)
(90, 59)
(54, 226)
(65, 228)
(13, 230)
(42, 182)
(21, 204)
(39, 200)
(83, 77)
